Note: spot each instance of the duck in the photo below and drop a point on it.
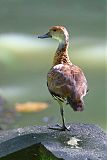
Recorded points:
(66, 81)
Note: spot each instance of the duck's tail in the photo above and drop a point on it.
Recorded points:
(77, 105)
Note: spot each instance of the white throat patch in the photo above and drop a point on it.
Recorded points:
(58, 66)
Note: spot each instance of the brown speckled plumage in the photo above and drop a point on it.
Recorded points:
(65, 81)
(61, 57)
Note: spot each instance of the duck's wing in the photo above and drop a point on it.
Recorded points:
(66, 81)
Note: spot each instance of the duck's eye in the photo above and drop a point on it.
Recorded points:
(54, 30)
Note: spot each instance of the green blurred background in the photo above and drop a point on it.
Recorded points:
(25, 60)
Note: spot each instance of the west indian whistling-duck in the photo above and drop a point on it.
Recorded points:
(65, 81)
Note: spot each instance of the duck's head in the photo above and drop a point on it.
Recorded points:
(57, 32)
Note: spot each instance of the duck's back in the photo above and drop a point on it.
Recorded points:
(67, 81)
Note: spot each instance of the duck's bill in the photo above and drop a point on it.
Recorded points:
(47, 35)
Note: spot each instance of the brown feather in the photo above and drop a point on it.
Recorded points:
(67, 81)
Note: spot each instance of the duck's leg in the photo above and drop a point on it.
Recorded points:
(63, 127)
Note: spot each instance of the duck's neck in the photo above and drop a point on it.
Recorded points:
(61, 55)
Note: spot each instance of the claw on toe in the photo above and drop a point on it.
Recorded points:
(60, 128)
